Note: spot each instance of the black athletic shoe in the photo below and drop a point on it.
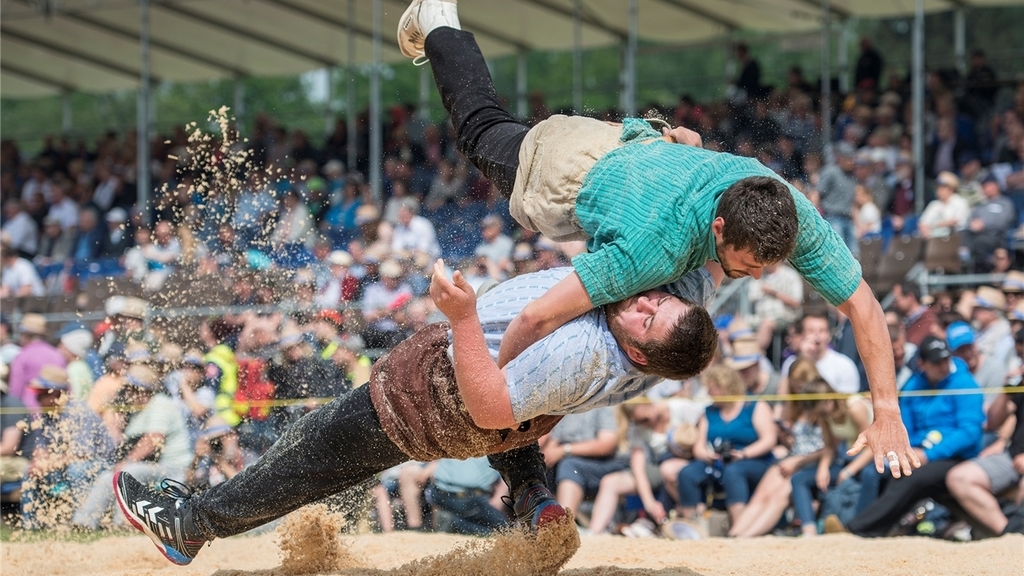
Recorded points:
(163, 516)
(537, 505)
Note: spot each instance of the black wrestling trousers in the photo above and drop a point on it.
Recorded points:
(484, 131)
(326, 451)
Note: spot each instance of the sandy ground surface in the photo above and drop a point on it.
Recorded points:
(310, 545)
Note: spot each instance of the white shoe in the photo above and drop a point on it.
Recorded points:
(419, 19)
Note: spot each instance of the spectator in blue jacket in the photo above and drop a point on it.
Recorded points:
(944, 430)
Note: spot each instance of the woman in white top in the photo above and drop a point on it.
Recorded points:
(867, 219)
(948, 212)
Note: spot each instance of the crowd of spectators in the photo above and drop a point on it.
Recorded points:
(320, 275)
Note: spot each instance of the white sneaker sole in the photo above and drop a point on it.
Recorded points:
(408, 19)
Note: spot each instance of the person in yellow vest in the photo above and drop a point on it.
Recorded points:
(341, 349)
(221, 372)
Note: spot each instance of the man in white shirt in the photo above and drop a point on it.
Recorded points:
(39, 183)
(20, 229)
(838, 370)
(19, 277)
(496, 246)
(994, 338)
(414, 236)
(63, 208)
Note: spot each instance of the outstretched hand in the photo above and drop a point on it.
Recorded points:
(888, 441)
(455, 298)
(685, 136)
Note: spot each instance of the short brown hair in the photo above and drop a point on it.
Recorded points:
(760, 216)
(686, 351)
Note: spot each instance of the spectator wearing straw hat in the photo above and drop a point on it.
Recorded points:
(948, 212)
(994, 339)
(68, 447)
(1013, 287)
(754, 369)
(155, 445)
(35, 353)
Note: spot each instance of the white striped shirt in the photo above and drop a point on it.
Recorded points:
(579, 366)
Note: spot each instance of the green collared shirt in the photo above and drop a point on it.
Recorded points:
(648, 206)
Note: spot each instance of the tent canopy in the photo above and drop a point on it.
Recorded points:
(53, 46)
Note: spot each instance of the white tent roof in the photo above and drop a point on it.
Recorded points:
(93, 45)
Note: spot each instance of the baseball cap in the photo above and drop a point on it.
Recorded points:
(934, 349)
(959, 334)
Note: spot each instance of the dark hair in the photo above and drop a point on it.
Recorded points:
(946, 318)
(687, 350)
(800, 324)
(760, 216)
(910, 289)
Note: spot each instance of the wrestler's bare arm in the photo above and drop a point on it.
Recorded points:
(481, 384)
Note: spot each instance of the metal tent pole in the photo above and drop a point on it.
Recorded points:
(522, 110)
(143, 116)
(960, 40)
(577, 57)
(65, 112)
(843, 57)
(350, 83)
(376, 139)
(239, 98)
(426, 81)
(826, 78)
(627, 101)
(917, 88)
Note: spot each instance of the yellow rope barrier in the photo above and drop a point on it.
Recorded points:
(640, 399)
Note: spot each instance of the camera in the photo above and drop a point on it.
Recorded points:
(723, 448)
